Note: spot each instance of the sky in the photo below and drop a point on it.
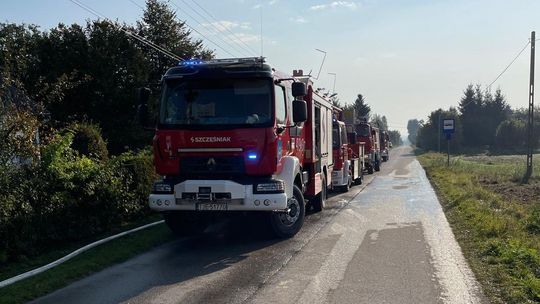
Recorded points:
(406, 57)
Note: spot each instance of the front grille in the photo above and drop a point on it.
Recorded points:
(212, 167)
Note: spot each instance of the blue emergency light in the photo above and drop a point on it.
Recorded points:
(252, 155)
(191, 62)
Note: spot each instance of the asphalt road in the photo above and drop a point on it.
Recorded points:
(386, 241)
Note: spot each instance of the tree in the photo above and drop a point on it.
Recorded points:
(362, 108)
(470, 108)
(511, 135)
(413, 125)
(481, 114)
(161, 26)
(379, 122)
(395, 138)
(428, 135)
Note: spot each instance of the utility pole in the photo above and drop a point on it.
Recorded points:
(530, 120)
(439, 131)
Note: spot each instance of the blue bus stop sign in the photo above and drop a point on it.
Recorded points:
(448, 126)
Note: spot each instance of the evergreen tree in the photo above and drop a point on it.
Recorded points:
(362, 108)
(161, 26)
(428, 135)
(413, 125)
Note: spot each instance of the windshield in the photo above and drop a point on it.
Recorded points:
(362, 130)
(216, 102)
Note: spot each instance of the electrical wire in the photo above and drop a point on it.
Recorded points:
(191, 28)
(508, 66)
(198, 32)
(127, 32)
(248, 48)
(216, 31)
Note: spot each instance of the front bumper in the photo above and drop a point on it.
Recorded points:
(339, 178)
(238, 197)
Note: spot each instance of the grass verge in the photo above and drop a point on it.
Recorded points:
(500, 236)
(91, 261)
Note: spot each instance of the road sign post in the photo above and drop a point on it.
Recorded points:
(448, 128)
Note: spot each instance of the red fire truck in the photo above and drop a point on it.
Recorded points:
(369, 135)
(348, 155)
(234, 135)
(385, 145)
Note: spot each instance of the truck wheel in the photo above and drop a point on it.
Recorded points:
(385, 158)
(377, 166)
(358, 181)
(347, 186)
(287, 224)
(184, 223)
(370, 169)
(320, 201)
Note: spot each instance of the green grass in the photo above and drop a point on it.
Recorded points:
(91, 261)
(500, 236)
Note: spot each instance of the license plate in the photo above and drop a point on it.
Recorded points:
(212, 207)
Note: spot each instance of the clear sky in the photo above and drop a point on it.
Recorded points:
(407, 57)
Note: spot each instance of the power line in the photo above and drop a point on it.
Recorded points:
(508, 66)
(137, 4)
(200, 24)
(217, 30)
(193, 29)
(224, 27)
(129, 33)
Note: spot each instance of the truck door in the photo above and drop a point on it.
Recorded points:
(281, 121)
(318, 143)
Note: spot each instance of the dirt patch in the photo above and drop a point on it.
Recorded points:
(528, 193)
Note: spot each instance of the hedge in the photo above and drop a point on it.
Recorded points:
(69, 197)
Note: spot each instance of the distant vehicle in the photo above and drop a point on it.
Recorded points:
(385, 145)
(369, 135)
(348, 155)
(234, 135)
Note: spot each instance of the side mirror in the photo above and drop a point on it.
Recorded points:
(299, 111)
(298, 89)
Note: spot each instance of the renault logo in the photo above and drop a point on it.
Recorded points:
(211, 163)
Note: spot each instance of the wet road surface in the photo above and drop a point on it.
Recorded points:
(387, 242)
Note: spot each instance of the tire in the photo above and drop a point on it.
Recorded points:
(385, 158)
(319, 202)
(184, 223)
(286, 225)
(359, 180)
(370, 169)
(347, 186)
(377, 166)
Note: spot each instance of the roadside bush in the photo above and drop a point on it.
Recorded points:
(88, 141)
(511, 134)
(69, 197)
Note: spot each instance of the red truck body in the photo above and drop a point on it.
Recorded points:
(348, 154)
(369, 135)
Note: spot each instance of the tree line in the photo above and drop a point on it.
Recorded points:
(90, 72)
(363, 113)
(67, 129)
(483, 122)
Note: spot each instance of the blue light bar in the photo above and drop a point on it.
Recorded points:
(191, 62)
(252, 155)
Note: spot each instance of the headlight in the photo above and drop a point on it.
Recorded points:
(273, 186)
(161, 187)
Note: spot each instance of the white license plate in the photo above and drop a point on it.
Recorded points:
(212, 207)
